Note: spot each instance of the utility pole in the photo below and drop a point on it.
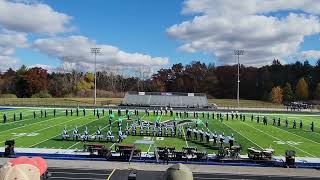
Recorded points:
(238, 53)
(95, 51)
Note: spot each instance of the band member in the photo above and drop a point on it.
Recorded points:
(148, 130)
(214, 137)
(201, 135)
(180, 132)
(66, 112)
(195, 134)
(300, 124)
(207, 136)
(14, 116)
(109, 135)
(265, 121)
(41, 113)
(279, 122)
(98, 134)
(85, 136)
(127, 130)
(119, 112)
(154, 131)
(173, 132)
(20, 118)
(207, 123)
(54, 113)
(45, 113)
(274, 121)
(65, 134)
(75, 133)
(312, 126)
(71, 112)
(159, 131)
(120, 136)
(231, 140)
(287, 122)
(221, 139)
(77, 111)
(134, 130)
(84, 111)
(141, 130)
(34, 114)
(166, 130)
(294, 124)
(189, 132)
(4, 118)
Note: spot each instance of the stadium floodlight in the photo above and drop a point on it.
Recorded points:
(95, 51)
(238, 53)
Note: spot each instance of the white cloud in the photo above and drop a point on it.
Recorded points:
(76, 49)
(9, 41)
(7, 62)
(310, 54)
(32, 17)
(220, 26)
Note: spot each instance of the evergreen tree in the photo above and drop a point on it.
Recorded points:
(288, 94)
(317, 92)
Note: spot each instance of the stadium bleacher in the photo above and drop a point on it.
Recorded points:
(161, 99)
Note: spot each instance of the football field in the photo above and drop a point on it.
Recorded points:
(45, 132)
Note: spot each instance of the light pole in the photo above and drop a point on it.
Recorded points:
(238, 53)
(95, 51)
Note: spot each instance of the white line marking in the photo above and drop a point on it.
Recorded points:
(31, 124)
(296, 135)
(278, 139)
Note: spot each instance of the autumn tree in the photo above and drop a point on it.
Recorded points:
(276, 95)
(36, 80)
(288, 94)
(302, 90)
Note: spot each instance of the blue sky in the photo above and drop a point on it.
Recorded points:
(157, 33)
(131, 26)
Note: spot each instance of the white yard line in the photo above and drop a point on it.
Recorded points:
(150, 145)
(297, 135)
(185, 138)
(31, 124)
(184, 134)
(277, 139)
(152, 138)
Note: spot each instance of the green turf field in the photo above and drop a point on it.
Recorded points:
(46, 132)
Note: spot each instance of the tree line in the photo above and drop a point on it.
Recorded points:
(276, 82)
